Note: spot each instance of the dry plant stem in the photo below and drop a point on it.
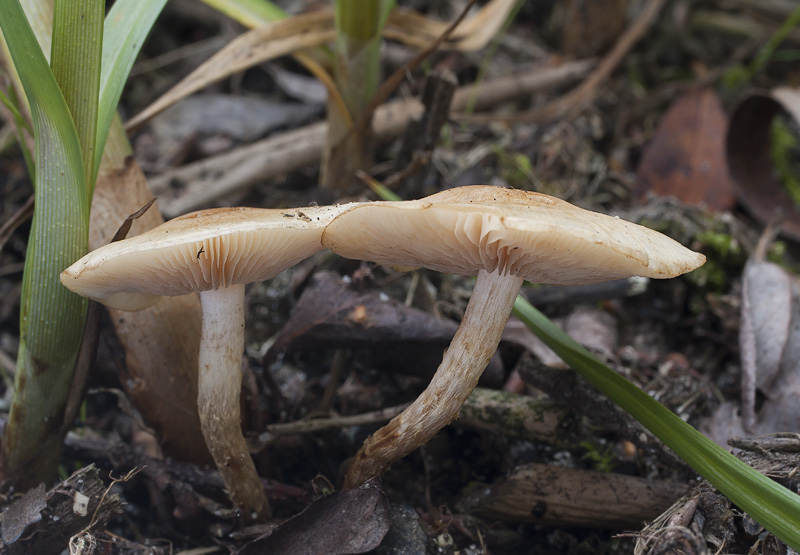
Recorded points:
(581, 96)
(219, 385)
(464, 361)
(274, 431)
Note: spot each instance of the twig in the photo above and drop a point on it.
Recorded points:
(274, 431)
(581, 96)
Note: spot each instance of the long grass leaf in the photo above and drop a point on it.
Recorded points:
(127, 24)
(773, 506)
(75, 60)
(256, 46)
(51, 321)
(250, 13)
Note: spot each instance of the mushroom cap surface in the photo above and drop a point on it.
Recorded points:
(535, 236)
(203, 250)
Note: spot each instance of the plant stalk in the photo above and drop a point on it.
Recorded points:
(357, 75)
(51, 317)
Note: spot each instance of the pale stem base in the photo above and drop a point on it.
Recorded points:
(219, 385)
(464, 361)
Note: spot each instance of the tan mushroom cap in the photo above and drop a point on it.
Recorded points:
(197, 252)
(538, 237)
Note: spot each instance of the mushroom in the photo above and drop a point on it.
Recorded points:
(214, 252)
(503, 236)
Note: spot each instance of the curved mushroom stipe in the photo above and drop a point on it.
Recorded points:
(504, 236)
(464, 361)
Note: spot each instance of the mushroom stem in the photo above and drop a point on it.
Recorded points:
(464, 361)
(219, 386)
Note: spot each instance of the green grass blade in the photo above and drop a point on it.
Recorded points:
(75, 60)
(383, 192)
(358, 29)
(51, 322)
(773, 506)
(127, 24)
(250, 13)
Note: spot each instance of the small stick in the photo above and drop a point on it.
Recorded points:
(581, 96)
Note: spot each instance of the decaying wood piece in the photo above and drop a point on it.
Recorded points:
(79, 506)
(561, 496)
(521, 416)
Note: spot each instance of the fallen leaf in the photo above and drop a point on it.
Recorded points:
(350, 521)
(240, 118)
(472, 34)
(748, 145)
(769, 339)
(23, 512)
(591, 327)
(384, 333)
(686, 158)
(767, 299)
(589, 28)
(303, 88)
(405, 534)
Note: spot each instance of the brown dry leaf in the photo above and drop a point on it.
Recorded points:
(384, 332)
(251, 48)
(591, 327)
(473, 33)
(161, 343)
(315, 29)
(590, 27)
(751, 167)
(686, 158)
(350, 521)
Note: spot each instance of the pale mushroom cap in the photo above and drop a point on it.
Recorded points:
(538, 237)
(197, 252)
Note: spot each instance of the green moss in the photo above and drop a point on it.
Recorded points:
(601, 456)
